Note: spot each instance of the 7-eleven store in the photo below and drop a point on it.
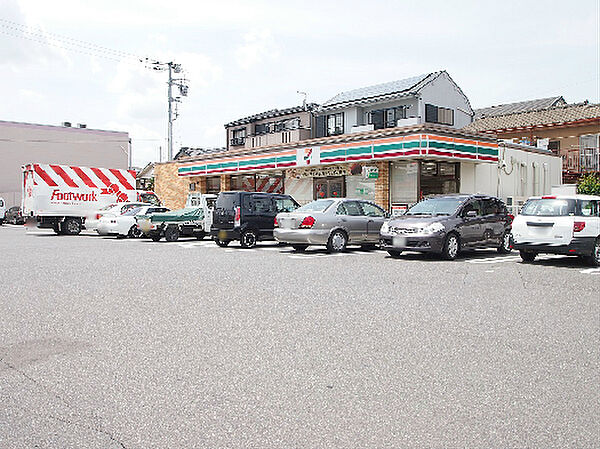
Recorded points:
(393, 167)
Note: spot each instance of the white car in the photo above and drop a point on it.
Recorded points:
(91, 222)
(565, 224)
(125, 225)
(2, 210)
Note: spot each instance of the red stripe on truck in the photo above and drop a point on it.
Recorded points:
(121, 178)
(63, 174)
(42, 174)
(102, 176)
(85, 178)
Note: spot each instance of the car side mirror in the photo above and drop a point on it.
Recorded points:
(471, 214)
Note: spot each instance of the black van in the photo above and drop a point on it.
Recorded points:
(247, 216)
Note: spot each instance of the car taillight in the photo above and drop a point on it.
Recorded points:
(512, 217)
(275, 224)
(238, 217)
(98, 216)
(308, 222)
(578, 226)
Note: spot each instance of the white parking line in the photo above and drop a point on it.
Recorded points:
(495, 259)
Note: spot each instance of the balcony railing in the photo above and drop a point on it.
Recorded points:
(236, 141)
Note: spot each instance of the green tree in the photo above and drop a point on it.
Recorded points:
(589, 184)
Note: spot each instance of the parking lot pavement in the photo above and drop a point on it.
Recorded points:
(130, 343)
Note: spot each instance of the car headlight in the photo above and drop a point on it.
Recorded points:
(385, 228)
(432, 228)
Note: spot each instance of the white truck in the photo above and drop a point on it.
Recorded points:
(61, 197)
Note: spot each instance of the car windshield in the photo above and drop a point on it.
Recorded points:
(315, 206)
(134, 211)
(436, 206)
(549, 207)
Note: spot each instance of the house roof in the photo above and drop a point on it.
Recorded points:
(521, 106)
(185, 152)
(272, 113)
(554, 116)
(403, 86)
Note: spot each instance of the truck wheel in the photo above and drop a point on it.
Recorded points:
(248, 239)
(221, 243)
(200, 235)
(594, 258)
(171, 233)
(155, 237)
(71, 226)
(56, 228)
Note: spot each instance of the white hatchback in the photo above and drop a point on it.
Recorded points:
(566, 224)
(125, 225)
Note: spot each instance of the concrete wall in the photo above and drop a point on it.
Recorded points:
(23, 143)
(443, 92)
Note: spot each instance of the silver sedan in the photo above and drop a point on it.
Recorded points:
(333, 223)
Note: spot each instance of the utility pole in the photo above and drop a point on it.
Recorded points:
(181, 84)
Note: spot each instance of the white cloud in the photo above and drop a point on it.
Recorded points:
(258, 46)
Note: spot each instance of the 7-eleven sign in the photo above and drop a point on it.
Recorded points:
(308, 156)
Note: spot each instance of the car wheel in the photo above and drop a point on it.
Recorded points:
(248, 239)
(594, 258)
(451, 247)
(527, 256)
(300, 248)
(134, 232)
(222, 243)
(171, 233)
(337, 242)
(71, 226)
(505, 243)
(155, 237)
(394, 253)
(200, 235)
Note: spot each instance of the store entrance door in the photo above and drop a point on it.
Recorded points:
(331, 187)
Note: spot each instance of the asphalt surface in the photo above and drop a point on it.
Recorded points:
(109, 343)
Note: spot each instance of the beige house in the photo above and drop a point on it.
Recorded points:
(274, 127)
(571, 131)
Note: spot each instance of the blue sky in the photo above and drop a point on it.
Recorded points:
(246, 57)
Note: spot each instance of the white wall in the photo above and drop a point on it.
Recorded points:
(23, 143)
(443, 92)
(526, 174)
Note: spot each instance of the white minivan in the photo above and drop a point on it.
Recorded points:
(564, 224)
(2, 210)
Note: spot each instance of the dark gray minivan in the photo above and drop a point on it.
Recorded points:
(247, 216)
(446, 224)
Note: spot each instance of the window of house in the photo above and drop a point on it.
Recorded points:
(335, 124)
(278, 127)
(436, 114)
(262, 128)
(554, 146)
(293, 123)
(386, 118)
(239, 136)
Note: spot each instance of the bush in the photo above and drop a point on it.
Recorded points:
(589, 184)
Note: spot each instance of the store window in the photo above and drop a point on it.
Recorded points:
(269, 183)
(244, 183)
(404, 183)
(439, 178)
(213, 184)
(360, 187)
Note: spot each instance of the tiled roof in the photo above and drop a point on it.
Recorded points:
(271, 114)
(521, 106)
(185, 152)
(393, 87)
(545, 117)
